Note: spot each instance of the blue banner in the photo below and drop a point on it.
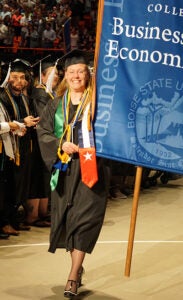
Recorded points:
(66, 35)
(139, 110)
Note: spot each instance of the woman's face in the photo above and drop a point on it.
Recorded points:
(77, 77)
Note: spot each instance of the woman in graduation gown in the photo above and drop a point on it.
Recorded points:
(39, 193)
(77, 208)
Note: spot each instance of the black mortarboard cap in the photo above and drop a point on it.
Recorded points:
(43, 64)
(20, 65)
(76, 56)
(46, 65)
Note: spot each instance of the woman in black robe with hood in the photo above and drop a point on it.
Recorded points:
(77, 210)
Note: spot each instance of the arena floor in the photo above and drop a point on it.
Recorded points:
(28, 271)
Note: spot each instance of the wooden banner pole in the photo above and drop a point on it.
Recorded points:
(139, 169)
(138, 178)
(98, 30)
(97, 49)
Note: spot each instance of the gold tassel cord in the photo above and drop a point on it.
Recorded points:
(47, 91)
(64, 157)
(17, 159)
(89, 120)
(1, 146)
(17, 154)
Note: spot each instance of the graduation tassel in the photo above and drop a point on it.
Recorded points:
(50, 79)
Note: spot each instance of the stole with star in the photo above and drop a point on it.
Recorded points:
(88, 166)
(87, 152)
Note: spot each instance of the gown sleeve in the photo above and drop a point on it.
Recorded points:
(48, 142)
(40, 99)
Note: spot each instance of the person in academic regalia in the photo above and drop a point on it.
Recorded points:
(8, 130)
(78, 199)
(18, 108)
(46, 80)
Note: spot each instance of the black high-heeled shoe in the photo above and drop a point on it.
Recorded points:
(72, 290)
(80, 275)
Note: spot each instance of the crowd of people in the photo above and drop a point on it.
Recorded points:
(39, 24)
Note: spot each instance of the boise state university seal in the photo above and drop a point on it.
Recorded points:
(155, 114)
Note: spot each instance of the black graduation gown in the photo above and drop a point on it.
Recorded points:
(38, 188)
(77, 212)
(7, 190)
(39, 99)
(22, 172)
